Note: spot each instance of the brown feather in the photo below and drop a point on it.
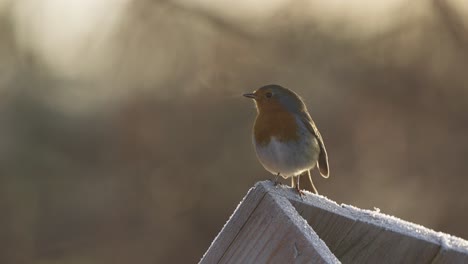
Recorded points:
(322, 162)
(278, 123)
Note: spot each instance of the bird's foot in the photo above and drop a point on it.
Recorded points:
(300, 192)
(275, 182)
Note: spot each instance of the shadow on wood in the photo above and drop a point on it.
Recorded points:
(275, 225)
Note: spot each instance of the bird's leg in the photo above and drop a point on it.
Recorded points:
(292, 181)
(276, 182)
(312, 183)
(297, 186)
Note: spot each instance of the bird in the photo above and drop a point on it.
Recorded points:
(286, 140)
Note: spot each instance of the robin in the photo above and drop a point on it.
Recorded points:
(286, 140)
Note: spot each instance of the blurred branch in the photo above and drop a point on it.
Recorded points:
(216, 20)
(454, 23)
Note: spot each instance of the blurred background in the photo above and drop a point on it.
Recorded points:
(124, 137)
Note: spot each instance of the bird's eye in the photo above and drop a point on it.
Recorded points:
(268, 95)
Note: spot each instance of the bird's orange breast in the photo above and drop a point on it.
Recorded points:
(277, 123)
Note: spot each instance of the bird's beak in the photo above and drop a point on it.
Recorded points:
(250, 95)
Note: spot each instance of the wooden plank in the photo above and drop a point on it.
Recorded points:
(238, 219)
(456, 254)
(330, 226)
(275, 225)
(355, 241)
(266, 228)
(363, 236)
(272, 235)
(367, 243)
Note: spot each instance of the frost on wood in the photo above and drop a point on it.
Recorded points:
(273, 223)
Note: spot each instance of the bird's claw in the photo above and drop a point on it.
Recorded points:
(275, 183)
(300, 192)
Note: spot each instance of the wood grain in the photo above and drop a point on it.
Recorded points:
(271, 232)
(275, 225)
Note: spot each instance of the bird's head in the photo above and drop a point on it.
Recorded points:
(275, 96)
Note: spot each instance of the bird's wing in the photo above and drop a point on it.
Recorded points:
(323, 156)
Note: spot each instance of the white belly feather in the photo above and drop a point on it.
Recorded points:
(289, 158)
